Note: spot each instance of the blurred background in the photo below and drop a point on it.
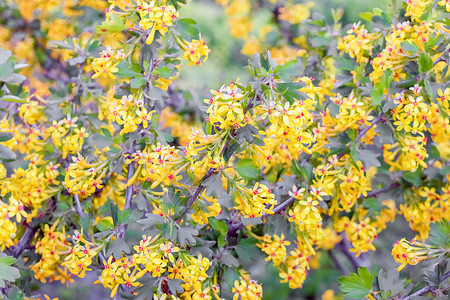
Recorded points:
(226, 62)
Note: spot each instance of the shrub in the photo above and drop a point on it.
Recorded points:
(336, 132)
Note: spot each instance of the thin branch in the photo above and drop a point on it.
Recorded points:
(24, 241)
(211, 171)
(78, 89)
(195, 195)
(427, 289)
(128, 192)
(337, 263)
(280, 207)
(78, 205)
(375, 193)
(29, 233)
(344, 246)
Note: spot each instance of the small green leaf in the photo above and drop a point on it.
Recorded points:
(377, 94)
(6, 153)
(6, 136)
(222, 228)
(125, 70)
(410, 47)
(114, 25)
(137, 82)
(12, 98)
(354, 152)
(186, 236)
(247, 169)
(104, 225)
(413, 178)
(344, 64)
(356, 286)
(387, 78)
(425, 63)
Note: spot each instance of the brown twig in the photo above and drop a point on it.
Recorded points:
(427, 289)
(29, 233)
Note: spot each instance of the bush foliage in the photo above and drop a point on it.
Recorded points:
(109, 169)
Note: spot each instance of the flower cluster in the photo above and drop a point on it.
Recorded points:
(67, 136)
(255, 202)
(409, 252)
(83, 178)
(51, 247)
(129, 112)
(159, 258)
(194, 50)
(106, 64)
(81, 255)
(157, 164)
(358, 43)
(247, 290)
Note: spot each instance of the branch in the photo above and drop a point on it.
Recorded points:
(280, 207)
(375, 193)
(78, 205)
(128, 192)
(122, 230)
(427, 289)
(24, 241)
(337, 263)
(195, 195)
(78, 89)
(29, 233)
(210, 172)
(344, 246)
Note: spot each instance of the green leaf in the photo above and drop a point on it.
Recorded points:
(290, 90)
(369, 158)
(186, 236)
(377, 94)
(4, 55)
(390, 283)
(410, 47)
(228, 259)
(344, 64)
(246, 249)
(124, 216)
(291, 68)
(247, 169)
(413, 178)
(114, 25)
(117, 247)
(222, 228)
(106, 133)
(137, 82)
(151, 220)
(125, 70)
(186, 26)
(356, 286)
(7, 272)
(7, 260)
(175, 286)
(354, 152)
(366, 16)
(387, 78)
(162, 72)
(425, 63)
(6, 153)
(114, 213)
(12, 98)
(104, 225)
(6, 136)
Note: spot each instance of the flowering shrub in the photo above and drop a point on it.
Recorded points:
(337, 131)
